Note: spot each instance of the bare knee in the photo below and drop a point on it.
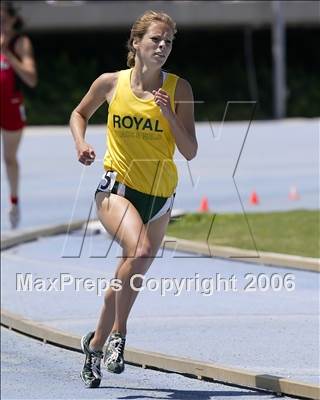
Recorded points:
(140, 259)
(144, 251)
(139, 252)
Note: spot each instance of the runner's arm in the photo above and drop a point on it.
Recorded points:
(182, 120)
(24, 65)
(98, 93)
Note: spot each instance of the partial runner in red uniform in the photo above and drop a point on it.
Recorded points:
(17, 64)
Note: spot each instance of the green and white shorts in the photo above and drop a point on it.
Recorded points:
(149, 207)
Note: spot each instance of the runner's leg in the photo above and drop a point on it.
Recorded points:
(11, 141)
(140, 244)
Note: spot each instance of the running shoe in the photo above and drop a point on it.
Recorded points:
(91, 371)
(113, 357)
(14, 216)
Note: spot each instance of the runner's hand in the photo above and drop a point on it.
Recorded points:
(86, 154)
(162, 99)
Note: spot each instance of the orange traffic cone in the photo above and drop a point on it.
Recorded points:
(293, 193)
(204, 206)
(254, 199)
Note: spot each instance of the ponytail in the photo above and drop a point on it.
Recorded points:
(131, 53)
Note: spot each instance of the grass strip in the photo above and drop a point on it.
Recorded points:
(291, 232)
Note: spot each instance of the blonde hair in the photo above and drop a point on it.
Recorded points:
(140, 27)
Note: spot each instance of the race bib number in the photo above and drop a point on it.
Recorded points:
(107, 182)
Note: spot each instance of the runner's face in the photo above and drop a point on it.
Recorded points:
(155, 46)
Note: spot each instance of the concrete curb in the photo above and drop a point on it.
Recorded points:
(170, 242)
(26, 235)
(194, 369)
(232, 253)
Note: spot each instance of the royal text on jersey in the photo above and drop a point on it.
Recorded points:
(136, 123)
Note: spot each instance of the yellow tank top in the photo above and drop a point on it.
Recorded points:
(140, 142)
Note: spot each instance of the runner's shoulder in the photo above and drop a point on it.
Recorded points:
(183, 90)
(108, 80)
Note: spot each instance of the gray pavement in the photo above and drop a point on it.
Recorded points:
(32, 370)
(272, 331)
